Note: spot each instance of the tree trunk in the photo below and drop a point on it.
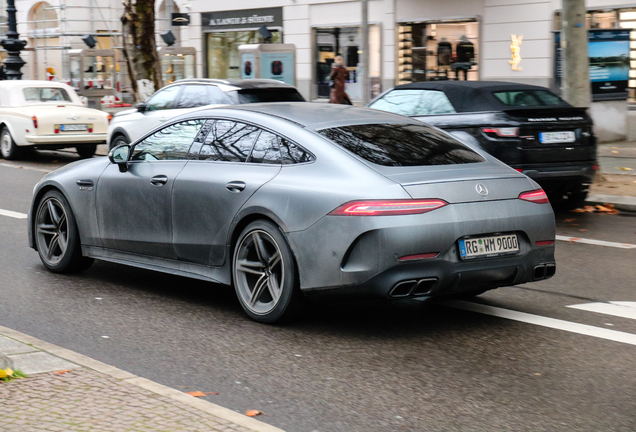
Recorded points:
(140, 49)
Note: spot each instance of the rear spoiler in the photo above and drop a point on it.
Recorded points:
(538, 112)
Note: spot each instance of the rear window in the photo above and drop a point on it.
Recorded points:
(401, 144)
(269, 95)
(45, 94)
(533, 98)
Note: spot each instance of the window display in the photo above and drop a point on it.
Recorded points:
(223, 55)
(437, 51)
(346, 42)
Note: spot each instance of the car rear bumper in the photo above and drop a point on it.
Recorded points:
(433, 278)
(547, 172)
(359, 256)
(92, 138)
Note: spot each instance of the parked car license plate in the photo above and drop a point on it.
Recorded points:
(557, 137)
(488, 246)
(73, 127)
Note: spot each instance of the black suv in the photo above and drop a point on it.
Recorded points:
(527, 127)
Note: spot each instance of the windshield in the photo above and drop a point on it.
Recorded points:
(533, 98)
(401, 144)
(269, 95)
(46, 94)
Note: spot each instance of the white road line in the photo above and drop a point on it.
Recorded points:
(596, 242)
(619, 309)
(13, 214)
(558, 324)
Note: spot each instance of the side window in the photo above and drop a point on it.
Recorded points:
(413, 102)
(169, 143)
(164, 99)
(194, 96)
(218, 96)
(266, 149)
(292, 153)
(228, 141)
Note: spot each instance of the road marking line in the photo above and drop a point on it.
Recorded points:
(13, 214)
(596, 242)
(542, 321)
(619, 309)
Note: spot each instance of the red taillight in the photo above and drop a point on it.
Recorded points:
(506, 132)
(595, 167)
(35, 121)
(544, 242)
(419, 256)
(90, 128)
(388, 207)
(536, 196)
(519, 169)
(56, 128)
(110, 117)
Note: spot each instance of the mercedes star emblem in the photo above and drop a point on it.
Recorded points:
(481, 189)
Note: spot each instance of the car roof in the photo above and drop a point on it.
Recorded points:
(240, 83)
(468, 96)
(322, 115)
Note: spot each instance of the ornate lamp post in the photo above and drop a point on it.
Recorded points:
(13, 63)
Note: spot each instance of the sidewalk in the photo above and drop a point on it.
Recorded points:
(617, 159)
(92, 396)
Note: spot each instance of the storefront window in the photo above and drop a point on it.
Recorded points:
(438, 51)
(596, 19)
(223, 55)
(346, 42)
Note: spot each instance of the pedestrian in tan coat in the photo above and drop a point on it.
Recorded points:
(339, 76)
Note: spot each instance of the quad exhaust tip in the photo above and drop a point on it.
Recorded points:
(413, 288)
(544, 271)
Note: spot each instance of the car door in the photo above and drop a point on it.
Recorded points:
(134, 212)
(211, 190)
(160, 107)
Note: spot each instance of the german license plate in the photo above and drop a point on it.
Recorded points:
(73, 127)
(479, 247)
(557, 137)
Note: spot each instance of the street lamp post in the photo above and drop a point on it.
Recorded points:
(13, 63)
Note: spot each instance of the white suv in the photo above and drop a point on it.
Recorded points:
(188, 95)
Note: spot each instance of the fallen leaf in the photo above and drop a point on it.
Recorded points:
(61, 372)
(582, 229)
(589, 209)
(207, 393)
(254, 413)
(570, 220)
(196, 393)
(577, 210)
(625, 168)
(615, 152)
(537, 374)
(615, 147)
(603, 209)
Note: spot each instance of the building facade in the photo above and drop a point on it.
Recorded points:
(409, 40)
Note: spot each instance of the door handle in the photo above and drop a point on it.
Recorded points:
(159, 180)
(235, 186)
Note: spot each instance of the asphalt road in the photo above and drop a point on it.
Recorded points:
(408, 366)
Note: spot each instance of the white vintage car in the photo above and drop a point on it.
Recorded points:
(47, 115)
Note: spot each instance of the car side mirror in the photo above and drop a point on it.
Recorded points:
(141, 107)
(119, 155)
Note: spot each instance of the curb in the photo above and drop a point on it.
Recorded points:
(623, 203)
(176, 395)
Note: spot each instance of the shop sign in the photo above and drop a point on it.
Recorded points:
(515, 50)
(180, 19)
(247, 18)
(608, 52)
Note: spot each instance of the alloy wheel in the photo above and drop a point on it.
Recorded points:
(259, 272)
(52, 230)
(5, 142)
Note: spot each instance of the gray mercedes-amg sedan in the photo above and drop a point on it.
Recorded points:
(285, 200)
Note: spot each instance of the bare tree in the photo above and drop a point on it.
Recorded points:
(140, 48)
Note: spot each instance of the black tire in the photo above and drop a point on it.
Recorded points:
(264, 274)
(577, 197)
(56, 235)
(8, 147)
(86, 151)
(118, 140)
